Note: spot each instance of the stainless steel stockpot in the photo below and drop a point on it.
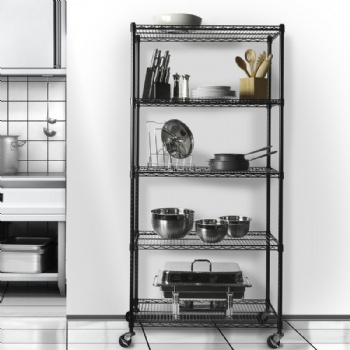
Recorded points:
(9, 145)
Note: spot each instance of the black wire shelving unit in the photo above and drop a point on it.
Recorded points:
(248, 313)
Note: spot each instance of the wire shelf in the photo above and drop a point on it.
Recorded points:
(247, 313)
(204, 171)
(223, 102)
(208, 33)
(254, 240)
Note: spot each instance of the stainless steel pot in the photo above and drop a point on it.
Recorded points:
(9, 145)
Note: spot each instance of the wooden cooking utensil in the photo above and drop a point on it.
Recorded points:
(250, 57)
(264, 67)
(241, 64)
(261, 59)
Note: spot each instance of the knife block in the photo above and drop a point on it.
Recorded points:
(162, 91)
(253, 89)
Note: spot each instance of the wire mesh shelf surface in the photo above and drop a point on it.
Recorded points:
(246, 313)
(205, 171)
(207, 33)
(222, 102)
(254, 240)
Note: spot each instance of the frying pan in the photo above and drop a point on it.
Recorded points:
(237, 161)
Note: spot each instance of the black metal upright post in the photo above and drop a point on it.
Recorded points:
(268, 182)
(130, 316)
(280, 183)
(137, 164)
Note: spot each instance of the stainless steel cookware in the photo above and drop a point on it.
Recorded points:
(9, 145)
(238, 226)
(237, 161)
(211, 230)
(223, 283)
(177, 139)
(26, 255)
(172, 223)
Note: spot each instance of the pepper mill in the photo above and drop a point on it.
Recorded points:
(176, 91)
(185, 86)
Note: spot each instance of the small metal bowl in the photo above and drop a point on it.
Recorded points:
(211, 230)
(238, 226)
(172, 223)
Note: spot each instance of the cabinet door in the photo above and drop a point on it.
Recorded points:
(32, 201)
(26, 28)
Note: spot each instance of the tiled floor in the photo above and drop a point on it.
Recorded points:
(33, 317)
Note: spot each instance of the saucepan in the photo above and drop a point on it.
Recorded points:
(237, 161)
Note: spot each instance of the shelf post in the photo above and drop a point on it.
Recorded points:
(132, 178)
(280, 184)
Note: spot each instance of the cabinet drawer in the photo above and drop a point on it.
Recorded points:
(32, 201)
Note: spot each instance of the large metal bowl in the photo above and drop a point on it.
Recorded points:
(211, 230)
(238, 226)
(172, 223)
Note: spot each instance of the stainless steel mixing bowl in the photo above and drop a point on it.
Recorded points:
(238, 226)
(172, 223)
(211, 230)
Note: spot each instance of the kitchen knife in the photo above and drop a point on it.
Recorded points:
(148, 84)
(154, 56)
(166, 63)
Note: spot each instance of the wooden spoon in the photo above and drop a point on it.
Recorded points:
(250, 57)
(241, 64)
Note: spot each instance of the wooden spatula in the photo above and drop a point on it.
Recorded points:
(241, 64)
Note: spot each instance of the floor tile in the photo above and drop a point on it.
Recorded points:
(183, 335)
(33, 347)
(324, 336)
(284, 346)
(320, 324)
(56, 323)
(258, 336)
(190, 346)
(33, 336)
(101, 336)
(332, 346)
(115, 346)
(98, 324)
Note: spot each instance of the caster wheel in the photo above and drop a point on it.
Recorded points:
(263, 317)
(125, 340)
(272, 344)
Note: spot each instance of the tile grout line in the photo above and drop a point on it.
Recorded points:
(223, 336)
(144, 333)
(300, 335)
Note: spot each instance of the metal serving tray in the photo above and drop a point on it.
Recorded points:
(201, 284)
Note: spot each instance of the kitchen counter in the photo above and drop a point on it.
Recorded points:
(36, 197)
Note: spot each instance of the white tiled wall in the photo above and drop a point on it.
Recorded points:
(26, 104)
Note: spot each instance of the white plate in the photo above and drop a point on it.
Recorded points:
(183, 19)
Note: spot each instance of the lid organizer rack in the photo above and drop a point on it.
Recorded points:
(178, 312)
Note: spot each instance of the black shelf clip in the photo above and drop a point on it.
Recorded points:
(1, 197)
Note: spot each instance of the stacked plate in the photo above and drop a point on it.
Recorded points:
(213, 91)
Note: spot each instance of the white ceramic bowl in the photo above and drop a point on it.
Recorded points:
(183, 19)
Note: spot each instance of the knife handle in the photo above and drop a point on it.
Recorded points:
(153, 57)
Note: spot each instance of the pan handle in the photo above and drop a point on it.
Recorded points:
(201, 260)
(155, 281)
(264, 155)
(259, 150)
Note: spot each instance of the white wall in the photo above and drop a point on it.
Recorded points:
(316, 144)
